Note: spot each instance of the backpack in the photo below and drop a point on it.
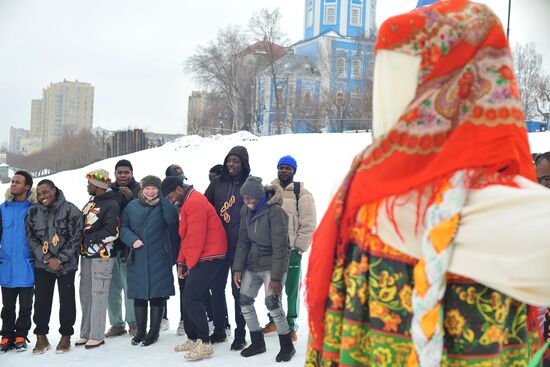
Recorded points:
(297, 194)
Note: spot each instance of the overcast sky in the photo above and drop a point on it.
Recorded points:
(132, 51)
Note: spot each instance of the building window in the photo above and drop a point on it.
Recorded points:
(309, 12)
(330, 14)
(356, 66)
(356, 16)
(341, 61)
(307, 97)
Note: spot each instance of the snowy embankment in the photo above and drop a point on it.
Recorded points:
(323, 160)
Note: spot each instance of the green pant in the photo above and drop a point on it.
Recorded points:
(119, 284)
(292, 289)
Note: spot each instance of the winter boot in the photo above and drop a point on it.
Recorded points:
(42, 345)
(116, 330)
(287, 348)
(64, 345)
(141, 324)
(218, 337)
(132, 329)
(20, 344)
(200, 351)
(154, 329)
(269, 328)
(239, 342)
(257, 346)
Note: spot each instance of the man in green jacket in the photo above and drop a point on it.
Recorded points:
(262, 258)
(299, 205)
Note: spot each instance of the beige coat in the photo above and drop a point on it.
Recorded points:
(302, 221)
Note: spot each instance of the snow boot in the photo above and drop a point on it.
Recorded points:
(154, 328)
(64, 345)
(287, 348)
(42, 345)
(240, 341)
(141, 324)
(257, 346)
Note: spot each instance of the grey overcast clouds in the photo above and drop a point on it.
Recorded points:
(132, 51)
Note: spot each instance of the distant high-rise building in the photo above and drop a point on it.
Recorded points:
(66, 107)
(16, 137)
(36, 118)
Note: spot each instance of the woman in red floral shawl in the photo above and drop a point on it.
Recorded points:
(462, 130)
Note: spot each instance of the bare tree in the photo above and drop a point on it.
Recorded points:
(543, 97)
(531, 80)
(217, 67)
(265, 27)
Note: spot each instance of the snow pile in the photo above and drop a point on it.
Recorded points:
(323, 160)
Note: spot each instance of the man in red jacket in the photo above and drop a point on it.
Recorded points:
(202, 252)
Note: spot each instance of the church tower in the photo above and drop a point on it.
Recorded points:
(349, 18)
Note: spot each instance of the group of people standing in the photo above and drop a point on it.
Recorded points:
(129, 236)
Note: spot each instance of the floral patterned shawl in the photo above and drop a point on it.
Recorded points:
(466, 114)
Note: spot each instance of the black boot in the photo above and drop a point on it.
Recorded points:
(287, 348)
(240, 339)
(141, 324)
(154, 329)
(257, 346)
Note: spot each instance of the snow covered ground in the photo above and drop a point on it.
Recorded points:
(323, 160)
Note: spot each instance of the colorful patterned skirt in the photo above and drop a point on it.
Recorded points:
(369, 313)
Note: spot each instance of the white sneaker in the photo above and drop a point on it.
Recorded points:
(186, 346)
(181, 330)
(200, 351)
(210, 327)
(164, 325)
(227, 331)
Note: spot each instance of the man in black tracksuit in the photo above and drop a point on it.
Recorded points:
(224, 194)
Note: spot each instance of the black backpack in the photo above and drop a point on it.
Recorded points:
(297, 193)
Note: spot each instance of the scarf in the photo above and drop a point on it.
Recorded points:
(466, 116)
(146, 201)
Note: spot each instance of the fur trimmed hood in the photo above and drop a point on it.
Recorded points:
(31, 197)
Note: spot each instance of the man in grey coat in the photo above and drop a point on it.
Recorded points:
(262, 258)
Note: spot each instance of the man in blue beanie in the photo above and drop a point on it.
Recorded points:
(299, 205)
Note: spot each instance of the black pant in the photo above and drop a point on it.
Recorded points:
(197, 284)
(155, 302)
(219, 305)
(10, 327)
(43, 287)
(207, 300)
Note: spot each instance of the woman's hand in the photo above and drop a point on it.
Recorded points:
(137, 244)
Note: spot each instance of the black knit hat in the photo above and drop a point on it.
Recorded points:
(150, 181)
(175, 170)
(124, 163)
(253, 187)
(169, 184)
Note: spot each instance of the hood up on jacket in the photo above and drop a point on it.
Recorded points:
(242, 153)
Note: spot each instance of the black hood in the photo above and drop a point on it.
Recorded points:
(242, 153)
(109, 195)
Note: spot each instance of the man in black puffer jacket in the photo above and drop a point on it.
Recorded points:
(224, 194)
(54, 232)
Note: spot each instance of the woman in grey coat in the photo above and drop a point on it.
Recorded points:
(54, 232)
(144, 228)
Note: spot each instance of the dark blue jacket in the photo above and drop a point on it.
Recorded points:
(150, 275)
(225, 196)
(16, 258)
